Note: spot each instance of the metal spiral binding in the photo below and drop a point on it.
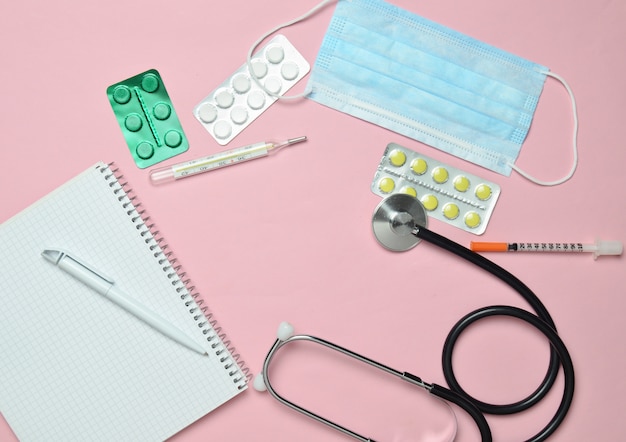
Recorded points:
(220, 344)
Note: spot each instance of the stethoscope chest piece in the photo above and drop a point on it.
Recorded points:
(394, 220)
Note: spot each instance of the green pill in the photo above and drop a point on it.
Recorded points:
(173, 138)
(145, 150)
(162, 111)
(150, 83)
(121, 94)
(133, 122)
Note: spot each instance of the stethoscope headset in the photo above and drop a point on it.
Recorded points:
(399, 224)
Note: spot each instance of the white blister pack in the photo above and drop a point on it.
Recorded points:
(239, 100)
(448, 194)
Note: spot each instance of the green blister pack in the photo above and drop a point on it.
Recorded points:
(147, 118)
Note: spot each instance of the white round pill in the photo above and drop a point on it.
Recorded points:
(224, 98)
(275, 54)
(241, 83)
(222, 129)
(207, 113)
(259, 69)
(239, 115)
(289, 70)
(256, 100)
(273, 84)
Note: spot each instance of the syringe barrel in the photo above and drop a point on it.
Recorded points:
(607, 248)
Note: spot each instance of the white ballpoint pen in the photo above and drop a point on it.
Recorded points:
(106, 287)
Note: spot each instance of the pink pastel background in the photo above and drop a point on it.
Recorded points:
(289, 237)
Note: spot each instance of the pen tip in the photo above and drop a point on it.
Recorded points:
(52, 255)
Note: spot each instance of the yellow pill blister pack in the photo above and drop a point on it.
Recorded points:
(448, 194)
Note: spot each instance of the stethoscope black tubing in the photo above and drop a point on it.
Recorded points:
(466, 404)
(549, 333)
(543, 322)
(528, 295)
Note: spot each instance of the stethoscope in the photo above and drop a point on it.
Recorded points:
(399, 224)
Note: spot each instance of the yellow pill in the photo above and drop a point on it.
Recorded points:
(386, 185)
(430, 202)
(440, 174)
(451, 211)
(483, 192)
(461, 183)
(397, 158)
(409, 191)
(419, 166)
(472, 219)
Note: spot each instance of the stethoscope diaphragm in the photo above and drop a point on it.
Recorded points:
(395, 219)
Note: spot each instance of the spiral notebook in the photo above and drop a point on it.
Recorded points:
(74, 365)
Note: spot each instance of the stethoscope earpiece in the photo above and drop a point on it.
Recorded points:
(394, 220)
(284, 332)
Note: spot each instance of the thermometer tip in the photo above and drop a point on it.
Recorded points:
(296, 140)
(288, 142)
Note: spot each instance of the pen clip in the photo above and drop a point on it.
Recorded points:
(56, 255)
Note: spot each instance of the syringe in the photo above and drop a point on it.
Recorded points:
(599, 248)
(219, 160)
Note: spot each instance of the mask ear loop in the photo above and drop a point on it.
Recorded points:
(272, 31)
(574, 143)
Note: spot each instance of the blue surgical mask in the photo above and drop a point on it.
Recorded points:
(415, 77)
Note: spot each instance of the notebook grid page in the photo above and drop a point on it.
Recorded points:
(77, 365)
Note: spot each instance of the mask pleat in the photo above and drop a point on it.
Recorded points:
(396, 69)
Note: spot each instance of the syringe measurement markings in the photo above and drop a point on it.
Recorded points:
(547, 247)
